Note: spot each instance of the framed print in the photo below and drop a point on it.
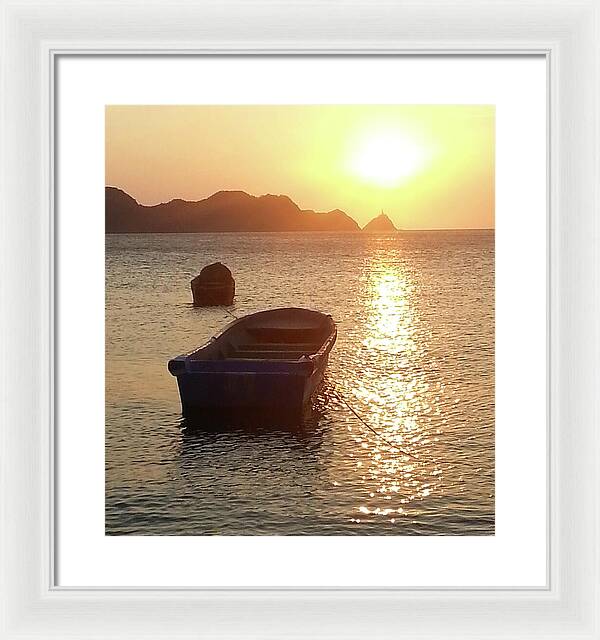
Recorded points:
(300, 320)
(370, 464)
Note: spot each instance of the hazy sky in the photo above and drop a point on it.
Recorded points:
(426, 166)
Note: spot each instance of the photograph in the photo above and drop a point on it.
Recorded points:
(300, 320)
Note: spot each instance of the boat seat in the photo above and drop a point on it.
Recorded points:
(289, 334)
(252, 354)
(308, 347)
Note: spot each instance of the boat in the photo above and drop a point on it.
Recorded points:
(214, 286)
(266, 364)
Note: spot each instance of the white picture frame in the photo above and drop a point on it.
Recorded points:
(567, 32)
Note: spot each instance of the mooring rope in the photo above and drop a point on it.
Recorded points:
(230, 313)
(394, 446)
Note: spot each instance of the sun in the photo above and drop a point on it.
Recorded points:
(387, 158)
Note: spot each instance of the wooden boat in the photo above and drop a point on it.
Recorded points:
(270, 362)
(214, 286)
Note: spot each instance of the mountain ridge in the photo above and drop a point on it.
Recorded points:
(223, 211)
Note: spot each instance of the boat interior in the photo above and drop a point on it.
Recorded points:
(271, 335)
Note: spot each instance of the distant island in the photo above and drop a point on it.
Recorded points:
(380, 224)
(224, 211)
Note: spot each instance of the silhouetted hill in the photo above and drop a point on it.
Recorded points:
(380, 224)
(223, 211)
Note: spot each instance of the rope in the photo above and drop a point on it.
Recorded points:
(230, 313)
(342, 399)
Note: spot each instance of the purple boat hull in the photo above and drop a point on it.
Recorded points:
(271, 362)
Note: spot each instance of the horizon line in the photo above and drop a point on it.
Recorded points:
(108, 186)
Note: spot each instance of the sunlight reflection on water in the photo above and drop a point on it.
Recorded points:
(395, 402)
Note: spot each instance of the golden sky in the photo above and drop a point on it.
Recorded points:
(426, 166)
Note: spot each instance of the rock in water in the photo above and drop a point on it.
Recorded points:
(214, 286)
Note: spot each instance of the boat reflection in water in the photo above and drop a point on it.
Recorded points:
(232, 452)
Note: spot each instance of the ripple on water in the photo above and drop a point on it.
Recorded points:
(414, 358)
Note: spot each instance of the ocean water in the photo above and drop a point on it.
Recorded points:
(414, 358)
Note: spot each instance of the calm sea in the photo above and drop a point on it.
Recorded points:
(414, 358)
